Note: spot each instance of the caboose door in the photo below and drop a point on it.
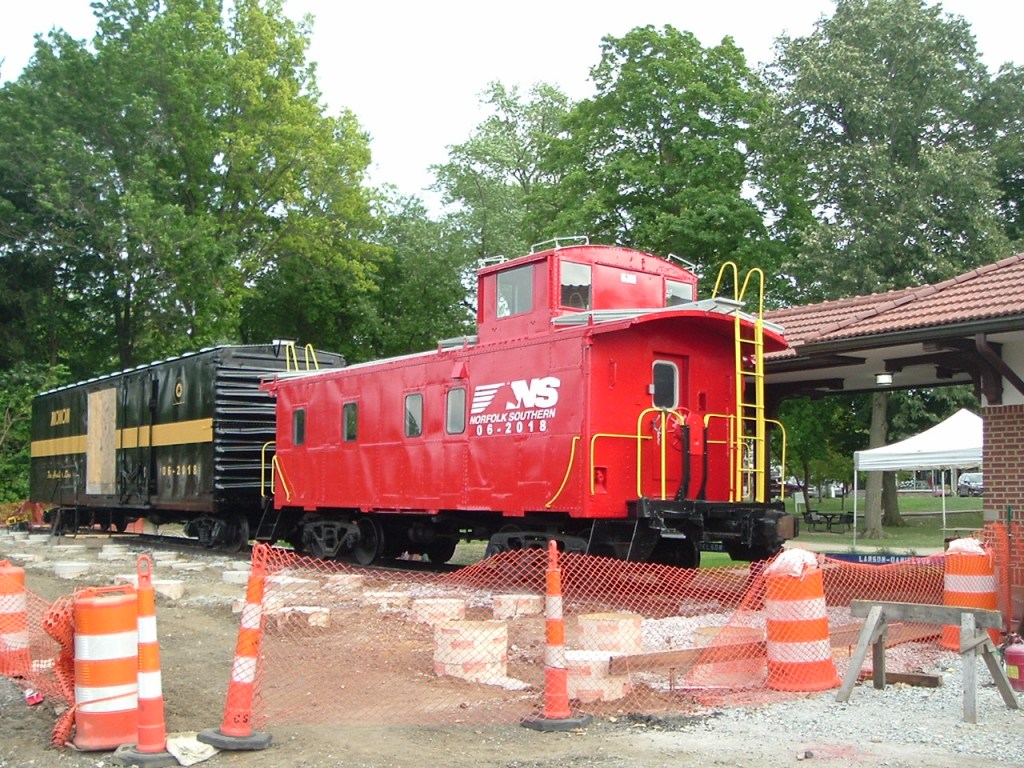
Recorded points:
(663, 426)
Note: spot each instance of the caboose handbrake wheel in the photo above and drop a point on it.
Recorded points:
(370, 546)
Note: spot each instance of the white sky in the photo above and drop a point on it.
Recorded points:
(412, 72)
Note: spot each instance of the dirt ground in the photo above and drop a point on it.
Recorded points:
(197, 637)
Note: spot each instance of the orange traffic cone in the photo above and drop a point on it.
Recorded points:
(556, 715)
(236, 731)
(14, 637)
(150, 749)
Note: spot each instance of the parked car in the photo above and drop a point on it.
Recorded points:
(792, 486)
(970, 484)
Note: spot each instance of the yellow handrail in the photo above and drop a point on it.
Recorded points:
(311, 355)
(275, 470)
(782, 478)
(639, 437)
(284, 483)
(568, 469)
(263, 469)
(291, 357)
(593, 444)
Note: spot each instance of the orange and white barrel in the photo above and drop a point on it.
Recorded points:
(14, 636)
(798, 647)
(969, 582)
(106, 667)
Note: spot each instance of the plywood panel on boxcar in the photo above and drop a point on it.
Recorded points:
(100, 443)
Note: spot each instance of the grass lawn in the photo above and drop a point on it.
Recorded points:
(922, 515)
(922, 528)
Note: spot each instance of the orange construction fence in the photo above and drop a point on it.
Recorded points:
(469, 645)
(345, 644)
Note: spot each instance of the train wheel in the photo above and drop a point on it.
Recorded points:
(370, 547)
(498, 544)
(237, 534)
(318, 545)
(682, 553)
(441, 550)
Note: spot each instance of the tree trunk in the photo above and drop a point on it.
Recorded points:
(890, 501)
(873, 490)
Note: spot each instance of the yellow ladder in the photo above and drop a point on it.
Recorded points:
(748, 463)
(291, 357)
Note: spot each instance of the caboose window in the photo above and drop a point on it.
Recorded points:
(677, 293)
(455, 423)
(515, 291)
(576, 285)
(299, 427)
(666, 385)
(413, 415)
(349, 422)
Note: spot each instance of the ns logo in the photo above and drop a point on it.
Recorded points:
(535, 393)
(532, 393)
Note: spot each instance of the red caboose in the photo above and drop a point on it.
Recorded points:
(600, 404)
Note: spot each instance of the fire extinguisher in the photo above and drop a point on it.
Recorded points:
(1013, 656)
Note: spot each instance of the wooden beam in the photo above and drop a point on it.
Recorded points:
(974, 639)
(925, 613)
(917, 679)
(685, 658)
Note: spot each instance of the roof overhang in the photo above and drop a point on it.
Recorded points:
(935, 356)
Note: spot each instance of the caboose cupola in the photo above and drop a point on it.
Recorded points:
(523, 296)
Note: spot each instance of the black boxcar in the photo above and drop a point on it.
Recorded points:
(179, 440)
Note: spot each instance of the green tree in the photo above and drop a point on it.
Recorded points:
(424, 284)
(874, 155)
(821, 435)
(660, 156)
(493, 182)
(174, 168)
(878, 163)
(17, 387)
(1003, 111)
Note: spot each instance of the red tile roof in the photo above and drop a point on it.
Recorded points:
(988, 292)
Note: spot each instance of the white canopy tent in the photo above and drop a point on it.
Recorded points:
(951, 444)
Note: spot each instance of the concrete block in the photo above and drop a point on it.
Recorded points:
(433, 610)
(612, 632)
(588, 679)
(511, 606)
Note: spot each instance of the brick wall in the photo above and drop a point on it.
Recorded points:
(1003, 457)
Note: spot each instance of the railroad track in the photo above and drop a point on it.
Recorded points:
(191, 546)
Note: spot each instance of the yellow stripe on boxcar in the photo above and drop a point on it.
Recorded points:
(178, 433)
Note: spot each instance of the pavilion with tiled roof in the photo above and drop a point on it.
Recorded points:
(967, 330)
(952, 332)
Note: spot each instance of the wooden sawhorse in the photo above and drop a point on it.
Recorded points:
(974, 639)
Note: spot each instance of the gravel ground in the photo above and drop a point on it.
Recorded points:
(898, 726)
